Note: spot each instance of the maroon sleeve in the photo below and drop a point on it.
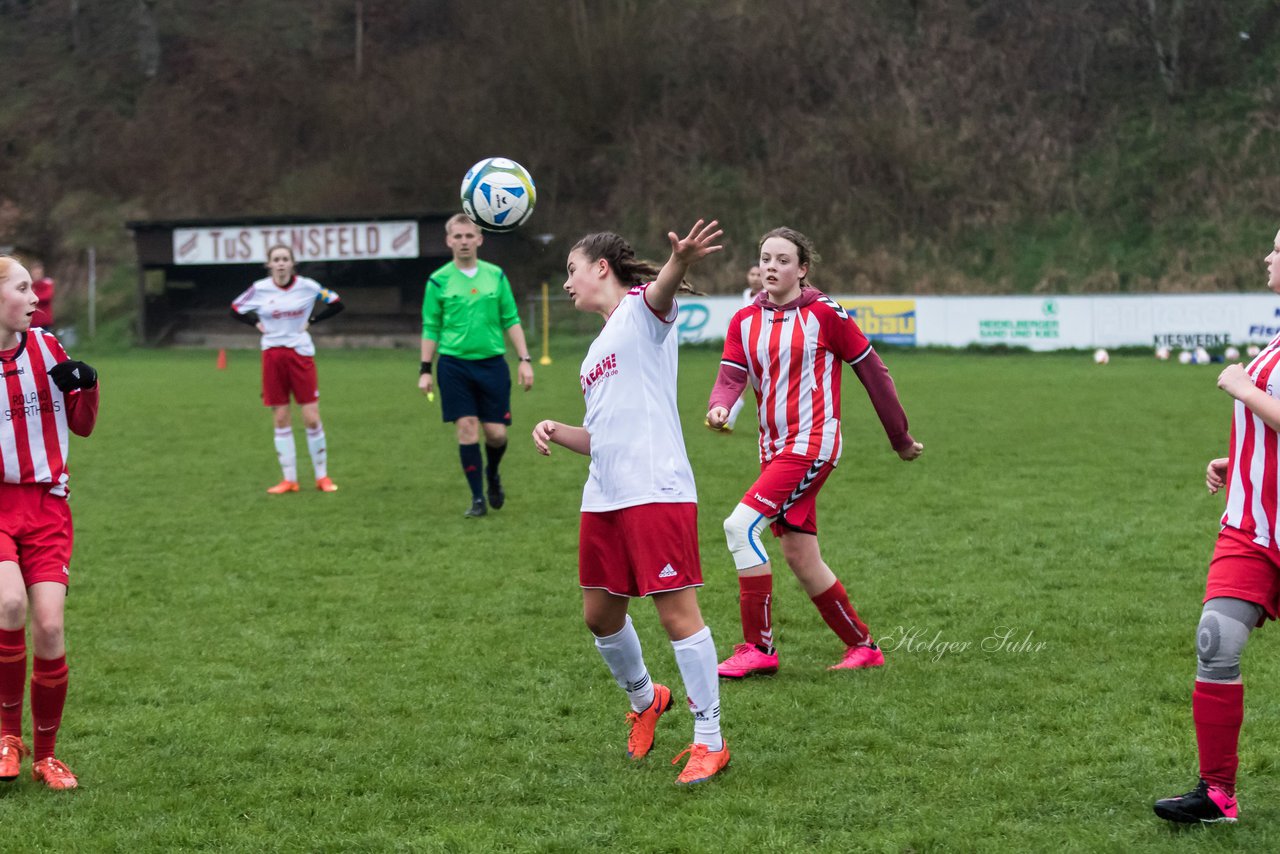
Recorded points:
(732, 378)
(874, 376)
(82, 410)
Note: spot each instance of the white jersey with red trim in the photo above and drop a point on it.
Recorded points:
(33, 426)
(1252, 487)
(629, 383)
(793, 357)
(285, 312)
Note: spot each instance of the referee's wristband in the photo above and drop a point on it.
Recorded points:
(425, 369)
(526, 358)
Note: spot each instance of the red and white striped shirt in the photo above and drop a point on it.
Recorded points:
(37, 416)
(1252, 488)
(793, 356)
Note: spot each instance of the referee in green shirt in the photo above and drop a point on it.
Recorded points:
(467, 306)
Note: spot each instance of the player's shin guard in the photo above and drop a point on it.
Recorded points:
(696, 658)
(48, 696)
(621, 651)
(286, 453)
(13, 679)
(319, 455)
(838, 612)
(1218, 710)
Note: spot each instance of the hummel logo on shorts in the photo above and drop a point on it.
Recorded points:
(667, 572)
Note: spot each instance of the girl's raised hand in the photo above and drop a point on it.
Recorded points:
(698, 243)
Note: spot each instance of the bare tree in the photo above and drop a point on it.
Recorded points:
(1161, 23)
(148, 38)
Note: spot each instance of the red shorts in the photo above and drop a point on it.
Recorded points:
(285, 372)
(35, 532)
(641, 550)
(1242, 569)
(788, 490)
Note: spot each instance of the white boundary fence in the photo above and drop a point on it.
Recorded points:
(1037, 323)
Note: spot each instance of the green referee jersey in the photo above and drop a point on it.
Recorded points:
(468, 314)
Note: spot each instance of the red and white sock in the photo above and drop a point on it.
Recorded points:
(838, 611)
(755, 604)
(1218, 710)
(48, 696)
(13, 679)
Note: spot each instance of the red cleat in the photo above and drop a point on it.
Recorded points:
(282, 487)
(53, 774)
(324, 484)
(11, 752)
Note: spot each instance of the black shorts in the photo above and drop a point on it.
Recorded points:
(475, 387)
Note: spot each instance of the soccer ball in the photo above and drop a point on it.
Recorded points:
(1185, 357)
(1101, 356)
(1253, 350)
(1202, 356)
(1162, 353)
(1231, 354)
(498, 194)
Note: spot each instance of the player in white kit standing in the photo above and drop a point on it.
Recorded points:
(639, 530)
(282, 307)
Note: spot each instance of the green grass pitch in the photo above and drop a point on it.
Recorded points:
(370, 671)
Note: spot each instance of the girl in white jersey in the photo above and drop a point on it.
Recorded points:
(46, 397)
(282, 307)
(639, 532)
(791, 345)
(1242, 590)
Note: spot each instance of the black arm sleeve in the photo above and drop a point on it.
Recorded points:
(249, 318)
(328, 311)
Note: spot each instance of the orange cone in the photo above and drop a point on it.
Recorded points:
(222, 359)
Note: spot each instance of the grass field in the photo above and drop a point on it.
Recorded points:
(370, 671)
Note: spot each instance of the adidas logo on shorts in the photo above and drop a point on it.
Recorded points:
(667, 572)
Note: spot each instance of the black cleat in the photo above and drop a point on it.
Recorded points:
(496, 496)
(477, 508)
(1204, 803)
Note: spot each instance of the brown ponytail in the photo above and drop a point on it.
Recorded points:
(622, 259)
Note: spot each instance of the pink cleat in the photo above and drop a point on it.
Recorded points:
(860, 657)
(748, 660)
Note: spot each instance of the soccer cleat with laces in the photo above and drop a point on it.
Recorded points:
(1204, 803)
(477, 508)
(282, 487)
(496, 496)
(12, 750)
(860, 657)
(748, 660)
(53, 774)
(640, 740)
(703, 763)
(324, 484)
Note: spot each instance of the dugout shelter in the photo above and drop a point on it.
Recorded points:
(190, 270)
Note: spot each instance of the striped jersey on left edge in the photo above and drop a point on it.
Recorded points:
(33, 427)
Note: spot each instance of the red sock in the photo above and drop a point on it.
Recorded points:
(1218, 711)
(13, 679)
(48, 695)
(755, 602)
(835, 608)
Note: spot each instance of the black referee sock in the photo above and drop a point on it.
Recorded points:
(494, 454)
(471, 464)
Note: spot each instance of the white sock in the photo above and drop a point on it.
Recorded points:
(621, 652)
(696, 658)
(734, 411)
(286, 453)
(315, 444)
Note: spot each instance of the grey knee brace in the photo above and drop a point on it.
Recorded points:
(1224, 627)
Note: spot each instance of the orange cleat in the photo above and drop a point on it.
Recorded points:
(324, 484)
(11, 752)
(703, 763)
(282, 487)
(53, 774)
(640, 741)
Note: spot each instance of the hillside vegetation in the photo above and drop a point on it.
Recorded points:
(928, 146)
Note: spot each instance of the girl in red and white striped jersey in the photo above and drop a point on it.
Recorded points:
(1242, 590)
(282, 307)
(46, 397)
(790, 345)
